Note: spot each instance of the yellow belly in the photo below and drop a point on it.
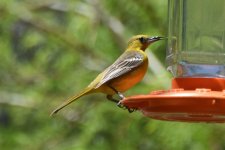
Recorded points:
(125, 81)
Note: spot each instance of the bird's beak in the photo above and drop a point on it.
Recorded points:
(155, 38)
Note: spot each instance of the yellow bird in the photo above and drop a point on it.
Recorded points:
(125, 72)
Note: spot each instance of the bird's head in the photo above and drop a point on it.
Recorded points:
(141, 42)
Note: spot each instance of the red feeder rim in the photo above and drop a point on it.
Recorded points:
(189, 100)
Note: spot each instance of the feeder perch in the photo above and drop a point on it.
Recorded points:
(196, 59)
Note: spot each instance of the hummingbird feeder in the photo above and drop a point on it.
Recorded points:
(196, 59)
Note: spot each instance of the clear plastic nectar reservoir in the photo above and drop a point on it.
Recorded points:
(196, 38)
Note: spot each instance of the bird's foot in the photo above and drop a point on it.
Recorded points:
(120, 105)
(121, 95)
(130, 110)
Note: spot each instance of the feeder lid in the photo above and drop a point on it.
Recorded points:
(199, 105)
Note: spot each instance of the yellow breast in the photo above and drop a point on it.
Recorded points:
(127, 80)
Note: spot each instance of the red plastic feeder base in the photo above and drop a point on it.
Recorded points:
(197, 105)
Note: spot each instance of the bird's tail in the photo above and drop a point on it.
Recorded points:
(71, 99)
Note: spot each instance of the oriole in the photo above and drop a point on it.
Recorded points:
(124, 73)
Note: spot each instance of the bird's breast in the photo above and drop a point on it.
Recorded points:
(131, 78)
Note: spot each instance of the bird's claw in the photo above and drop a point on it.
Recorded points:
(130, 110)
(120, 105)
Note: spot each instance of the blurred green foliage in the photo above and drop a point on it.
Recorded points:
(50, 50)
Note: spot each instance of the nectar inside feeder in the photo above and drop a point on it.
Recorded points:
(196, 58)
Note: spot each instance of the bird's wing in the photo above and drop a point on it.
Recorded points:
(125, 63)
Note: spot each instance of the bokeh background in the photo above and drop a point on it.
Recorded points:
(50, 49)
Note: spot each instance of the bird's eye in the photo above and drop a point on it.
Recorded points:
(142, 39)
